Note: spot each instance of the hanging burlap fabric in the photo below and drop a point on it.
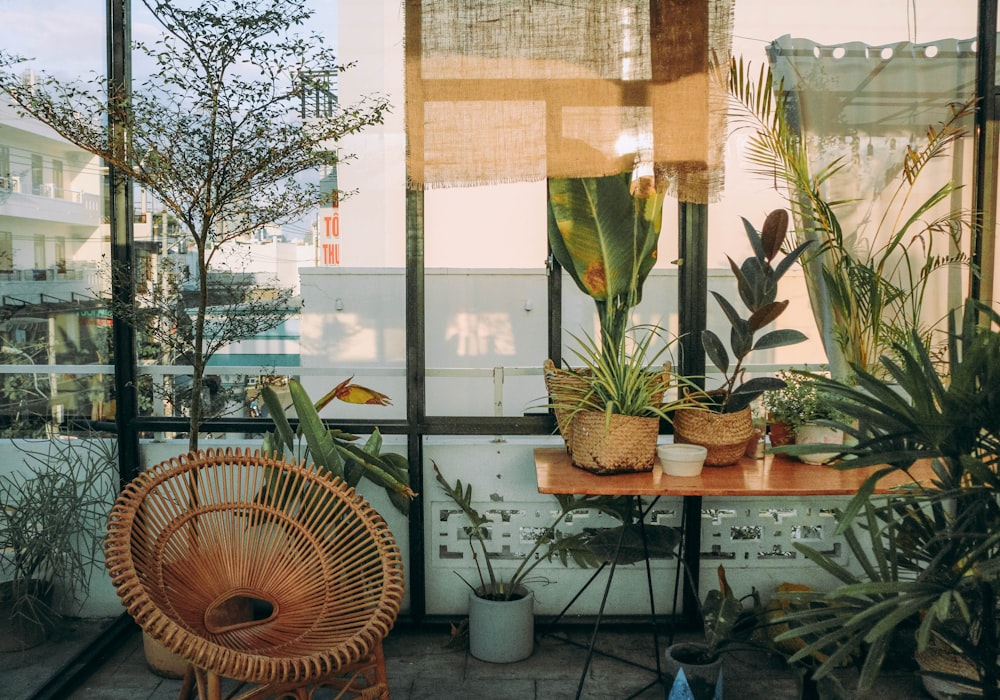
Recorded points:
(521, 90)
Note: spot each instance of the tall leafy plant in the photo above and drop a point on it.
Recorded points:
(335, 451)
(867, 287)
(553, 544)
(937, 545)
(212, 133)
(757, 280)
(604, 232)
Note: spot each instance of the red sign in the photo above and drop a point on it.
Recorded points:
(329, 244)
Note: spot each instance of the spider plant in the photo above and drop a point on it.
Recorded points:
(629, 377)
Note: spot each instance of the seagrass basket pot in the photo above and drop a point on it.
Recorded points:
(724, 434)
(567, 387)
(563, 386)
(939, 658)
(620, 445)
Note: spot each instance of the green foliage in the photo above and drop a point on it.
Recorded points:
(552, 545)
(799, 402)
(604, 232)
(935, 545)
(867, 288)
(52, 519)
(336, 451)
(628, 378)
(757, 282)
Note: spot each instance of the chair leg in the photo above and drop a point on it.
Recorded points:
(188, 684)
(381, 679)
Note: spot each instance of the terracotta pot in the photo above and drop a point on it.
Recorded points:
(781, 434)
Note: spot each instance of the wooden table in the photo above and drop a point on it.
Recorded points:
(774, 475)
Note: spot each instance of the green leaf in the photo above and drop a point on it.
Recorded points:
(322, 449)
(779, 338)
(284, 430)
(715, 350)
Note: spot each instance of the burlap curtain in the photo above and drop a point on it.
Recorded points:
(521, 90)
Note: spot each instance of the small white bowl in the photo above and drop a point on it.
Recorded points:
(681, 459)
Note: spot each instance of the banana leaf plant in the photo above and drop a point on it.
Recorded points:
(604, 232)
(336, 451)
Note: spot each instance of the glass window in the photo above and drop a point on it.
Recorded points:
(859, 95)
(52, 236)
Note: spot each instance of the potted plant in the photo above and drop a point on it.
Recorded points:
(936, 543)
(727, 424)
(868, 276)
(501, 607)
(696, 667)
(603, 231)
(617, 402)
(332, 449)
(52, 518)
(804, 415)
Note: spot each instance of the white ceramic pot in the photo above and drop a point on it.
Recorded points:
(502, 631)
(681, 459)
(812, 434)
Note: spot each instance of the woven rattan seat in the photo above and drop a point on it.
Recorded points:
(257, 570)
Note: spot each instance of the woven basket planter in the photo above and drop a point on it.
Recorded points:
(724, 434)
(626, 444)
(939, 658)
(566, 388)
(563, 386)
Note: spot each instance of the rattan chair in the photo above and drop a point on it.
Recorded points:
(270, 574)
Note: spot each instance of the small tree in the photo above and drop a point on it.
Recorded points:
(214, 134)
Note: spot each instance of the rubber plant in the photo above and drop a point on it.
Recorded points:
(757, 281)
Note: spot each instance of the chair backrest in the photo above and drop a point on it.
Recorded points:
(253, 567)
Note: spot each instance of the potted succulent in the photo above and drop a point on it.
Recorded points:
(501, 607)
(603, 231)
(52, 518)
(727, 424)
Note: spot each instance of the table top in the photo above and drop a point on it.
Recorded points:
(774, 475)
